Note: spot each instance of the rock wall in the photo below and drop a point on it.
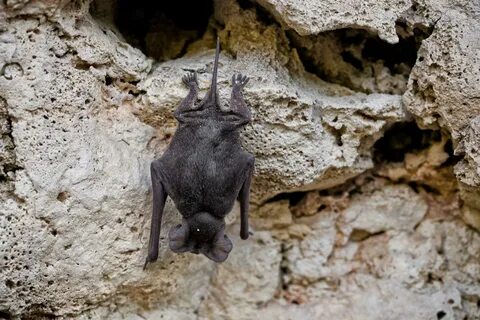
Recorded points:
(365, 201)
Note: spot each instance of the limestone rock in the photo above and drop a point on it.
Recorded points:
(272, 215)
(468, 172)
(443, 91)
(414, 265)
(246, 282)
(308, 256)
(83, 113)
(393, 207)
(312, 17)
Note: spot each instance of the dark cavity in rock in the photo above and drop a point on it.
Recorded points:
(359, 59)
(162, 30)
(401, 138)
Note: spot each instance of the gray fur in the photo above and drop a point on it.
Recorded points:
(204, 170)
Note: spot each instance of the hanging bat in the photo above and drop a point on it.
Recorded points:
(204, 170)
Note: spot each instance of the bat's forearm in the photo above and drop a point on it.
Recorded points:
(244, 198)
(159, 198)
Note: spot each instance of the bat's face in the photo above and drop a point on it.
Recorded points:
(201, 233)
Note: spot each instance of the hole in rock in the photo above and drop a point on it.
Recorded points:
(441, 314)
(293, 197)
(4, 314)
(161, 29)
(34, 315)
(351, 59)
(417, 186)
(359, 235)
(108, 80)
(401, 138)
(359, 59)
(405, 51)
(9, 283)
(62, 196)
(452, 158)
(262, 14)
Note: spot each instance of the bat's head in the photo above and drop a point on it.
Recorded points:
(201, 233)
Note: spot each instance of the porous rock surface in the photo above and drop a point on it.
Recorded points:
(312, 17)
(352, 217)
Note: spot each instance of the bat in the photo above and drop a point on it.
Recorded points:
(204, 170)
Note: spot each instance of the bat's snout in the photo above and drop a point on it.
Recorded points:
(202, 234)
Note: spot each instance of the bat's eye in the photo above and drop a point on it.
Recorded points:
(198, 230)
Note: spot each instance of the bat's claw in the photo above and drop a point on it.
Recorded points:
(148, 260)
(239, 80)
(190, 79)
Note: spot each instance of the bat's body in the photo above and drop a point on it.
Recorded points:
(204, 171)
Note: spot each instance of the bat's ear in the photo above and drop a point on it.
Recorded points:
(220, 249)
(178, 237)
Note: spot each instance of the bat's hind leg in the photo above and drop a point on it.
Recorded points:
(237, 102)
(188, 104)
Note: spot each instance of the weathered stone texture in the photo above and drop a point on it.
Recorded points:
(365, 202)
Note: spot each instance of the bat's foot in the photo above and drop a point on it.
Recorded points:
(190, 80)
(239, 81)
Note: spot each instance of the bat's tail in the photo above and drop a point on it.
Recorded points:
(213, 87)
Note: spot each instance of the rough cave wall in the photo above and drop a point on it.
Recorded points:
(366, 129)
